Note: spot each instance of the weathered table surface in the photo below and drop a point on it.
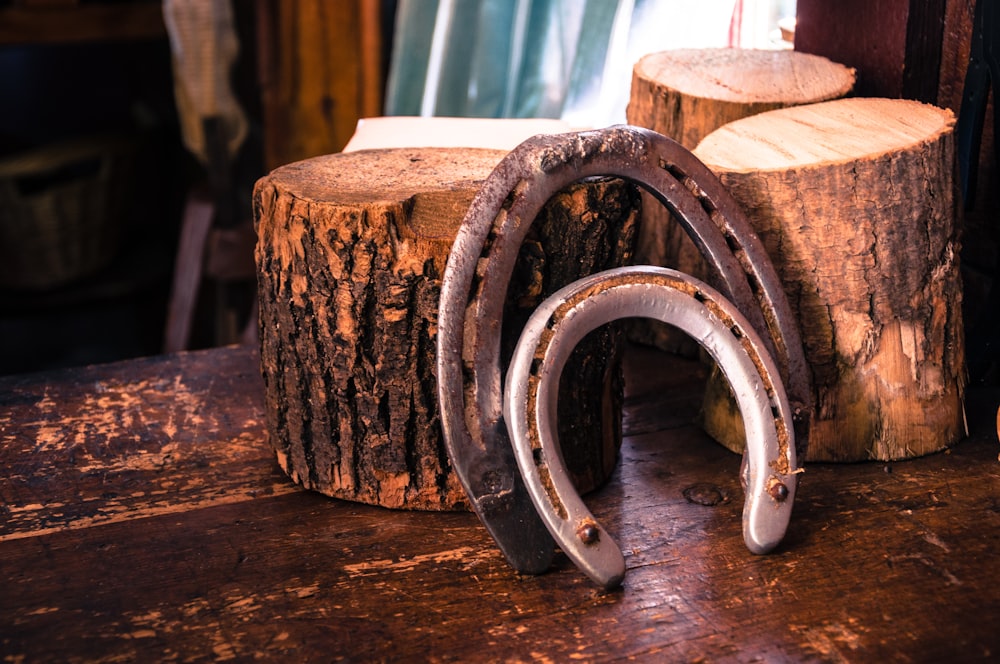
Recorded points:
(143, 518)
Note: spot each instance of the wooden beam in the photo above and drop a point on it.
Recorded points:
(922, 55)
(868, 35)
(896, 45)
(320, 71)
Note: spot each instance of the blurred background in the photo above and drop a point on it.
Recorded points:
(132, 131)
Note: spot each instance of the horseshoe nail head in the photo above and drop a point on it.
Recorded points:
(588, 532)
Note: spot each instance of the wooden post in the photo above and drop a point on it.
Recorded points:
(320, 71)
(688, 93)
(351, 249)
(896, 45)
(855, 202)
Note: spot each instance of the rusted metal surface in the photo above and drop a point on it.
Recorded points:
(479, 269)
(531, 394)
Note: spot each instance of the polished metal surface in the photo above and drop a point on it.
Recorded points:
(532, 387)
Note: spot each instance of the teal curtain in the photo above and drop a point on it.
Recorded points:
(569, 59)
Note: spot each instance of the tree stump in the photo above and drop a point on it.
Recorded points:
(856, 205)
(351, 250)
(688, 93)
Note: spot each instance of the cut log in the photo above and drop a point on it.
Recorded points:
(351, 250)
(856, 205)
(688, 93)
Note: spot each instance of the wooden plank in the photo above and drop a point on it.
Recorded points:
(196, 225)
(131, 440)
(922, 57)
(881, 563)
(980, 250)
(320, 71)
(868, 35)
(897, 46)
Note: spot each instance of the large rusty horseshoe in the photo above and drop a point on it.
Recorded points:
(479, 269)
(532, 389)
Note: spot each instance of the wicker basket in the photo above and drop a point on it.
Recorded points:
(61, 209)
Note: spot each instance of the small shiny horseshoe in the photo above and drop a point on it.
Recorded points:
(532, 387)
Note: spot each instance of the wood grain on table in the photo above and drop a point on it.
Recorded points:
(143, 518)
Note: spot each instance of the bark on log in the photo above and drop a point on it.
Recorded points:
(855, 202)
(351, 249)
(688, 93)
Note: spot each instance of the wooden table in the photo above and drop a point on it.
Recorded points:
(143, 518)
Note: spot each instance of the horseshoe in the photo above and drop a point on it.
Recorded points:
(479, 269)
(530, 398)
